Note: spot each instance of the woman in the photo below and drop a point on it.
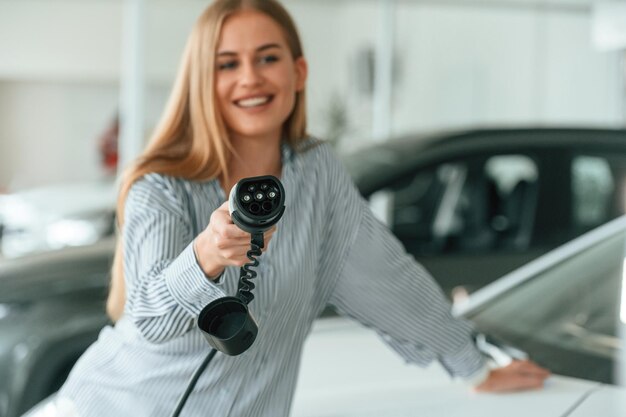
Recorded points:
(237, 110)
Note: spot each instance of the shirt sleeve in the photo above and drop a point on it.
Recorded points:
(384, 288)
(166, 288)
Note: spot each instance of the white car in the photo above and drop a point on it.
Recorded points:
(347, 371)
(53, 217)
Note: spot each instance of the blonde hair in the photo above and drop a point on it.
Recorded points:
(191, 140)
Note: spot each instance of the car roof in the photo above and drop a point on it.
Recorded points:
(376, 165)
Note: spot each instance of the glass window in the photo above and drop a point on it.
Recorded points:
(506, 171)
(425, 205)
(472, 205)
(514, 180)
(592, 189)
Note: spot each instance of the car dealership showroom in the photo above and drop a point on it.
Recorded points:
(436, 228)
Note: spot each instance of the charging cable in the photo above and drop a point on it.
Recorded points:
(255, 205)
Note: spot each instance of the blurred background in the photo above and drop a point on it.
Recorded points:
(69, 68)
(484, 132)
(83, 83)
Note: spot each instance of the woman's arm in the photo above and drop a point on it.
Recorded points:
(383, 287)
(165, 286)
(117, 290)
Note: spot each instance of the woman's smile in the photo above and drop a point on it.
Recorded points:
(254, 101)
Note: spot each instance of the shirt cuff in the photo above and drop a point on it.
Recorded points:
(465, 362)
(217, 280)
(188, 284)
(476, 378)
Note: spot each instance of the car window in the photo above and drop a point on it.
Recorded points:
(477, 204)
(593, 187)
(416, 201)
(515, 179)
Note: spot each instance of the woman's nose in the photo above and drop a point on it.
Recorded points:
(250, 74)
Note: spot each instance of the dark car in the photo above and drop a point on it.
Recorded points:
(51, 309)
(475, 205)
(470, 206)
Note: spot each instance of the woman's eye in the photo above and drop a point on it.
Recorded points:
(226, 65)
(268, 59)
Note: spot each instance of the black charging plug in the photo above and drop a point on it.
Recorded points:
(255, 204)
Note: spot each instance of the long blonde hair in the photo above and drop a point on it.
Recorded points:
(191, 140)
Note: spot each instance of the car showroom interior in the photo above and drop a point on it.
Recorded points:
(312, 208)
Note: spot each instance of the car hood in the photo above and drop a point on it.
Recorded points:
(608, 401)
(53, 274)
(348, 371)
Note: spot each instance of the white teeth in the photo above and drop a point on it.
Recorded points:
(252, 102)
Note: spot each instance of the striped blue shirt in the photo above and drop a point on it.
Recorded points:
(328, 249)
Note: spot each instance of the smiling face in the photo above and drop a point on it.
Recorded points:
(256, 76)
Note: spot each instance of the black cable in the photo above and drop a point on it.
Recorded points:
(245, 294)
(192, 383)
(246, 273)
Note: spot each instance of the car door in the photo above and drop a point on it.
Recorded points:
(470, 220)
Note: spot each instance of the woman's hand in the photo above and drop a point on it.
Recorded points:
(223, 243)
(517, 376)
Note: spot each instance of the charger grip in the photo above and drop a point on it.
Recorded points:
(228, 326)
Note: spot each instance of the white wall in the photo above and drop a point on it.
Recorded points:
(495, 66)
(73, 40)
(49, 131)
(458, 64)
(333, 33)
(581, 85)
(59, 71)
(463, 65)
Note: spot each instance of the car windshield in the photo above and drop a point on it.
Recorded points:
(566, 317)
